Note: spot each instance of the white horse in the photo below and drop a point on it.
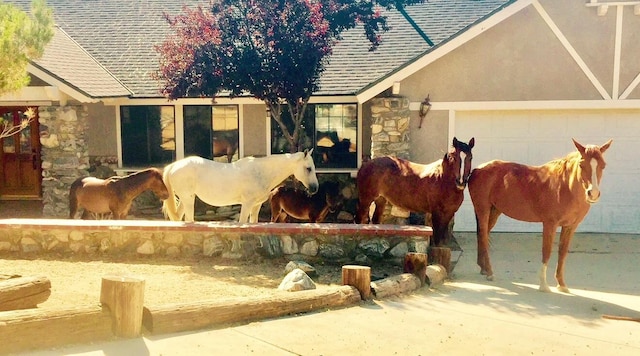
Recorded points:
(247, 181)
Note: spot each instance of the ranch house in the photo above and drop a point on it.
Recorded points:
(521, 76)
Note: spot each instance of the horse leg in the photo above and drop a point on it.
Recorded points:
(187, 207)
(485, 221)
(276, 209)
(566, 234)
(244, 213)
(362, 213)
(548, 234)
(255, 213)
(440, 227)
(381, 202)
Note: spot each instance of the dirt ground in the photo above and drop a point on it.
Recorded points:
(76, 281)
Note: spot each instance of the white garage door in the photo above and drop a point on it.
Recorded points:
(536, 137)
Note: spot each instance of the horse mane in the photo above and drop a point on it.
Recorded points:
(566, 164)
(135, 176)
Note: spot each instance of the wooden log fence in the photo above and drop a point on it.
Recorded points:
(122, 313)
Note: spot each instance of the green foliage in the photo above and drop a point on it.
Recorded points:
(22, 37)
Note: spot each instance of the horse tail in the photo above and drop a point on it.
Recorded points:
(169, 208)
(73, 198)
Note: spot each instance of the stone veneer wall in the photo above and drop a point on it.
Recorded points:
(331, 243)
(390, 127)
(65, 154)
(390, 137)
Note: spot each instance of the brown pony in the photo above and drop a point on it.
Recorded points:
(436, 188)
(297, 203)
(115, 194)
(558, 193)
(224, 146)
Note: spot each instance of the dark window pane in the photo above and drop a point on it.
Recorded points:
(148, 135)
(211, 131)
(331, 129)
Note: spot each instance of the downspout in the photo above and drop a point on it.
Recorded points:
(414, 25)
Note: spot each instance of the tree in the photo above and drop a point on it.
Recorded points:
(274, 50)
(22, 38)
(8, 129)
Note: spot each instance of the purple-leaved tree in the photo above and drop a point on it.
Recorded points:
(274, 50)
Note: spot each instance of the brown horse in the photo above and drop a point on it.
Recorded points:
(224, 146)
(286, 201)
(558, 193)
(115, 194)
(436, 188)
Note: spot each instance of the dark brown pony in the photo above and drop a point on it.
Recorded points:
(223, 146)
(558, 193)
(286, 201)
(436, 188)
(115, 194)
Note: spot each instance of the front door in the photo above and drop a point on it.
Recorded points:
(20, 170)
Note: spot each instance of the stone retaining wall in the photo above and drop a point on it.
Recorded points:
(331, 243)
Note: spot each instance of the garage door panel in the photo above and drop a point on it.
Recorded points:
(536, 137)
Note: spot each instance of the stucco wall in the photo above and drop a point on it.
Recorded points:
(430, 142)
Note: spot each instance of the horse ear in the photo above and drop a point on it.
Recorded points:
(472, 142)
(308, 152)
(455, 141)
(579, 146)
(605, 147)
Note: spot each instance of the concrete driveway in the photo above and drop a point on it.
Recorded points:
(467, 315)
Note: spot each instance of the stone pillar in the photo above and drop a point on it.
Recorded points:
(390, 127)
(65, 155)
(390, 137)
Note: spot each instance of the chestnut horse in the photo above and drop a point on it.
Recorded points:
(115, 194)
(436, 188)
(286, 201)
(558, 193)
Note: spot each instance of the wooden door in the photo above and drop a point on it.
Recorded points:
(20, 168)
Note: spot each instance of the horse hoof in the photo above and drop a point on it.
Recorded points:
(544, 289)
(490, 278)
(563, 289)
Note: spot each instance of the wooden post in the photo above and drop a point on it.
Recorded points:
(124, 296)
(23, 292)
(359, 277)
(441, 256)
(436, 274)
(416, 264)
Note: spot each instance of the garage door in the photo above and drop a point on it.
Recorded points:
(536, 137)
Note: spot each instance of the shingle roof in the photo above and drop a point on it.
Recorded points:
(353, 68)
(65, 60)
(121, 34)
